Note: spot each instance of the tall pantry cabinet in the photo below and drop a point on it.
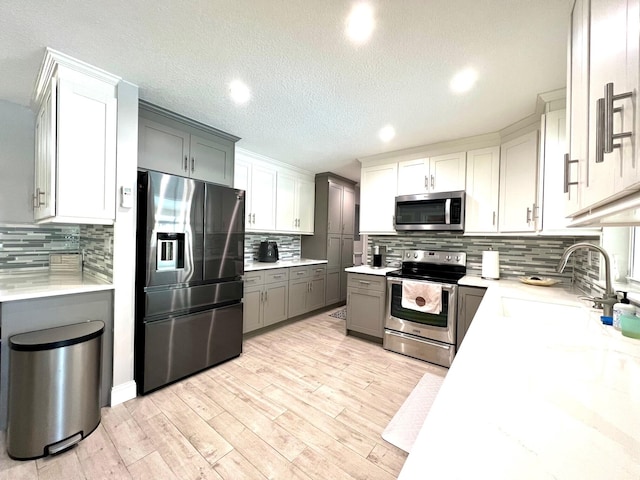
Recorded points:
(334, 231)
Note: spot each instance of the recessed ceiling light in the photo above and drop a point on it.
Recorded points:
(387, 133)
(360, 23)
(463, 81)
(239, 92)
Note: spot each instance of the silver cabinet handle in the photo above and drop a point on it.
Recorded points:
(567, 173)
(185, 167)
(300, 273)
(266, 296)
(535, 210)
(253, 218)
(528, 215)
(38, 198)
(609, 110)
(249, 218)
(193, 164)
(600, 130)
(262, 296)
(363, 282)
(277, 276)
(494, 217)
(432, 182)
(319, 270)
(426, 183)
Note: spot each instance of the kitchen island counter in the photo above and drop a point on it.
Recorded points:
(540, 389)
(25, 286)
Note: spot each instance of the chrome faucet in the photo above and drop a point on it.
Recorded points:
(609, 297)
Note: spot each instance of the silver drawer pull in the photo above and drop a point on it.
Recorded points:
(277, 276)
(364, 283)
(300, 273)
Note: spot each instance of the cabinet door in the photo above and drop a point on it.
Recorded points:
(577, 105)
(86, 157)
(470, 298)
(305, 201)
(483, 184)
(210, 160)
(276, 302)
(263, 198)
(45, 157)
(608, 64)
(333, 286)
(286, 217)
(554, 145)
(378, 186)
(334, 251)
(348, 211)
(316, 296)
(413, 176)
(252, 308)
(365, 311)
(298, 291)
(162, 148)
(334, 222)
(447, 172)
(518, 184)
(241, 180)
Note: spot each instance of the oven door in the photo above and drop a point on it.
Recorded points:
(440, 327)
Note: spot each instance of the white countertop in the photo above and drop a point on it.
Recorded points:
(24, 286)
(253, 266)
(369, 270)
(540, 389)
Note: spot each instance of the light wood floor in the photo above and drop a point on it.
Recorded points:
(302, 402)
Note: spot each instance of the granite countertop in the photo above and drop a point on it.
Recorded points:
(24, 286)
(301, 262)
(540, 389)
(367, 269)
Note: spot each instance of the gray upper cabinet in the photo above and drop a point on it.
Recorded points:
(334, 222)
(170, 143)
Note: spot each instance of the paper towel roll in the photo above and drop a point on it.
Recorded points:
(491, 264)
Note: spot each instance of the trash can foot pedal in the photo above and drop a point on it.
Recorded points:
(65, 444)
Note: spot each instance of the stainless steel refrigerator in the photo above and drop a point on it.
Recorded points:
(190, 259)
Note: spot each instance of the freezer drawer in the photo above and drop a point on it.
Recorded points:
(180, 346)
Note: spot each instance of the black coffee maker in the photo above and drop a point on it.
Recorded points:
(268, 252)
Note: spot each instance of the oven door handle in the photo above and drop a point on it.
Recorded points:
(447, 211)
(452, 289)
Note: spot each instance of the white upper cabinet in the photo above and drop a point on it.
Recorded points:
(259, 182)
(552, 170)
(518, 184)
(442, 173)
(377, 198)
(295, 198)
(575, 169)
(75, 151)
(483, 183)
(171, 143)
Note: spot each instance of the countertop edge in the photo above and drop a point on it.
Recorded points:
(256, 266)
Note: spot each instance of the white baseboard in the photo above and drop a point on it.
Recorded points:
(123, 392)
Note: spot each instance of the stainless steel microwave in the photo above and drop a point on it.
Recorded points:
(430, 211)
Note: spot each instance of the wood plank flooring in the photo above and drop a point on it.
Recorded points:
(303, 401)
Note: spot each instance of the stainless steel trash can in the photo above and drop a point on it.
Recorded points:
(54, 388)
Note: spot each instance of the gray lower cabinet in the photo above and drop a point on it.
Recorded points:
(306, 289)
(266, 298)
(469, 299)
(366, 296)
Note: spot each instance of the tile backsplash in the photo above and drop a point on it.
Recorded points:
(288, 245)
(519, 256)
(27, 247)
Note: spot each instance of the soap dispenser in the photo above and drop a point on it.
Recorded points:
(622, 308)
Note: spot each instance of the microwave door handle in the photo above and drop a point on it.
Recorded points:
(447, 211)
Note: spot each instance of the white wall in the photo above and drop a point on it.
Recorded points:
(124, 252)
(17, 127)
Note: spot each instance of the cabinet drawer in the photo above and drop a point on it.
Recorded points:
(276, 275)
(317, 271)
(370, 282)
(296, 273)
(253, 278)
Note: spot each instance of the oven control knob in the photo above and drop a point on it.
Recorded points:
(415, 255)
(448, 258)
(457, 258)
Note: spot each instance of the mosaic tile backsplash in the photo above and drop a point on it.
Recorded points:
(519, 256)
(27, 247)
(96, 241)
(288, 245)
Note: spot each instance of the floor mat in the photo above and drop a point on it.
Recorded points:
(407, 422)
(342, 313)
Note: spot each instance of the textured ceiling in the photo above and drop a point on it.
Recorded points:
(318, 101)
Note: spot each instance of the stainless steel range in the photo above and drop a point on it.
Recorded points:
(422, 305)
